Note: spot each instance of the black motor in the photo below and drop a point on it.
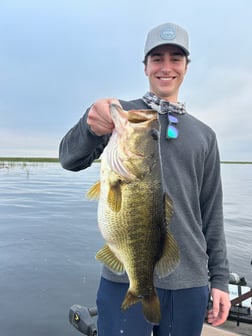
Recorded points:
(81, 318)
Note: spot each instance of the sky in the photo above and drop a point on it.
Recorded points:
(57, 57)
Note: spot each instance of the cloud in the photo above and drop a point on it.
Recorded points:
(225, 103)
(36, 144)
(58, 57)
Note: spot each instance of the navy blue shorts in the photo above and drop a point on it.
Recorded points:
(183, 312)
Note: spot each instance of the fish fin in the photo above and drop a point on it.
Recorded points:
(130, 299)
(170, 257)
(94, 191)
(150, 304)
(168, 209)
(151, 309)
(115, 196)
(107, 257)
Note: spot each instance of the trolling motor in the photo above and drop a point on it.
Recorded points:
(81, 318)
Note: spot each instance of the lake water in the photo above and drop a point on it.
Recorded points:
(49, 236)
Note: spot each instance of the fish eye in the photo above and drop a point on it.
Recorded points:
(154, 134)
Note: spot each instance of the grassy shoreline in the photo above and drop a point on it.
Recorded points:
(28, 159)
(48, 160)
(236, 162)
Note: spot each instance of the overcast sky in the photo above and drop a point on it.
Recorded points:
(59, 56)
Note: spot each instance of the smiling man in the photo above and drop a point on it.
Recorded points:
(166, 66)
(191, 177)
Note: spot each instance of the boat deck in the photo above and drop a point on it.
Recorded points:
(212, 331)
(229, 328)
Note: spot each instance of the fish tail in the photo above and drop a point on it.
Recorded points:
(151, 309)
(150, 305)
(130, 299)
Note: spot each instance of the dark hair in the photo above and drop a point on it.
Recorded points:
(187, 58)
(145, 59)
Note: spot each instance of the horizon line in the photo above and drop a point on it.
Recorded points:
(55, 159)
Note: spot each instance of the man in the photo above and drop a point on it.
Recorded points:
(191, 170)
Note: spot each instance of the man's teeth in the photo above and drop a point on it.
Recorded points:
(166, 78)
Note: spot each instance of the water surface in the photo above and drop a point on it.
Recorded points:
(49, 236)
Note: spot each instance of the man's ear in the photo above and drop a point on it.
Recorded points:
(186, 67)
(145, 70)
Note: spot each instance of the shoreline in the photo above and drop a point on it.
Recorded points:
(28, 159)
(55, 160)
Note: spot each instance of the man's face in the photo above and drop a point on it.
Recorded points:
(166, 67)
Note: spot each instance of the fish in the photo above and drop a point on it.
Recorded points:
(134, 212)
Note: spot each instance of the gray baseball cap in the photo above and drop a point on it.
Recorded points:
(167, 33)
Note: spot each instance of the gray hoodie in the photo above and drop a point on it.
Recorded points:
(191, 170)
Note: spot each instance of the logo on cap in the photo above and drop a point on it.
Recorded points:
(168, 34)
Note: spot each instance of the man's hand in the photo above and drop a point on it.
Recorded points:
(221, 305)
(99, 118)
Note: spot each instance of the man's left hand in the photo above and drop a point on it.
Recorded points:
(221, 306)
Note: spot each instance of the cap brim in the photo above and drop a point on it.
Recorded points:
(186, 52)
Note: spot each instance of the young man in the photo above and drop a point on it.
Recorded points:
(191, 170)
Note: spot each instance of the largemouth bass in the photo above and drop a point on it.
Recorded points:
(133, 211)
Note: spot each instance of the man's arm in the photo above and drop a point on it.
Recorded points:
(86, 140)
(213, 228)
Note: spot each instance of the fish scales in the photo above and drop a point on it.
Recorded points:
(133, 211)
(131, 239)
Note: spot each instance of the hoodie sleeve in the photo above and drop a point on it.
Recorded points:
(80, 146)
(212, 218)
